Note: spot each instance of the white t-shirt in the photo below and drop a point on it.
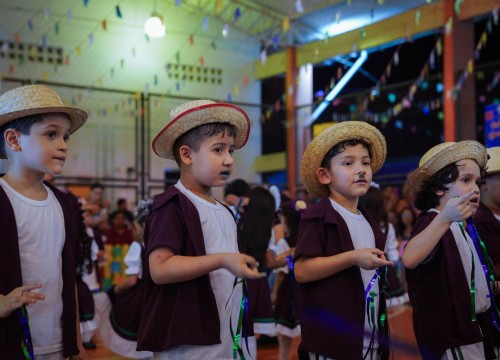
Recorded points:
(133, 260)
(91, 278)
(362, 237)
(220, 236)
(391, 244)
(41, 234)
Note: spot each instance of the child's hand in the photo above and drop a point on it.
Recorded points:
(458, 208)
(242, 266)
(18, 297)
(370, 259)
(283, 256)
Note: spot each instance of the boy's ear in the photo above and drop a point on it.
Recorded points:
(323, 176)
(185, 155)
(11, 137)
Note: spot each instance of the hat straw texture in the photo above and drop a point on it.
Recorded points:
(37, 99)
(200, 112)
(328, 138)
(444, 154)
(493, 165)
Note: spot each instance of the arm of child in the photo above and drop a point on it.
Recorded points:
(18, 297)
(129, 282)
(273, 261)
(167, 268)
(421, 245)
(309, 269)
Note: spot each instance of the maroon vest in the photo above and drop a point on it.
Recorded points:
(440, 296)
(182, 313)
(11, 278)
(332, 310)
(489, 231)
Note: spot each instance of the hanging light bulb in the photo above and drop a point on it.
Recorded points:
(153, 27)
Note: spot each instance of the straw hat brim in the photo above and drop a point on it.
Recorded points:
(163, 143)
(493, 165)
(328, 138)
(468, 149)
(77, 117)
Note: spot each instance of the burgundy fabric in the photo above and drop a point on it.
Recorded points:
(86, 307)
(113, 237)
(128, 305)
(394, 288)
(11, 277)
(285, 310)
(488, 228)
(260, 307)
(440, 296)
(332, 310)
(182, 313)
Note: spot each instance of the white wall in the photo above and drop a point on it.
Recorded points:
(105, 146)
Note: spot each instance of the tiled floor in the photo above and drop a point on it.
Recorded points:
(403, 340)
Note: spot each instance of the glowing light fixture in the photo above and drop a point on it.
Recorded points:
(337, 88)
(153, 27)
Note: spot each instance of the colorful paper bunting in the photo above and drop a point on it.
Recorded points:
(237, 14)
(286, 24)
(118, 11)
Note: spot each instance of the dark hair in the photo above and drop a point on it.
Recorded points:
(23, 125)
(237, 187)
(426, 198)
(194, 137)
(340, 147)
(400, 218)
(121, 201)
(373, 203)
(115, 213)
(292, 218)
(255, 226)
(96, 186)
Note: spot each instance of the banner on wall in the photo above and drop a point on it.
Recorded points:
(492, 125)
(317, 128)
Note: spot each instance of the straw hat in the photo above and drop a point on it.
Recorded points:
(444, 154)
(494, 160)
(200, 112)
(328, 138)
(37, 99)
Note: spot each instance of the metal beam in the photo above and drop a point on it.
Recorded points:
(395, 28)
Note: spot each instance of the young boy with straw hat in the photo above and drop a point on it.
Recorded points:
(39, 228)
(339, 248)
(193, 286)
(447, 286)
(487, 217)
